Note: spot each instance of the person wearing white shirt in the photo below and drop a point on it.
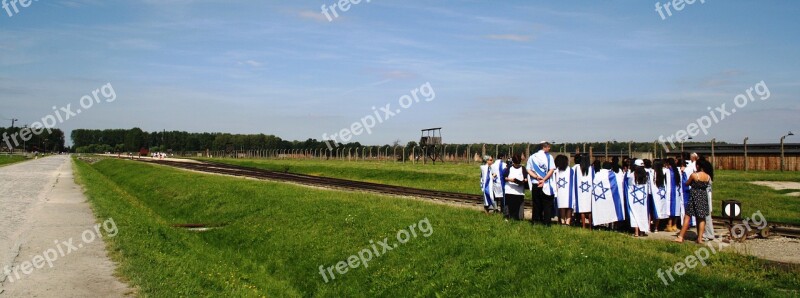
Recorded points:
(540, 168)
(516, 178)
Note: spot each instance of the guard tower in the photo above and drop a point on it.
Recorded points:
(431, 144)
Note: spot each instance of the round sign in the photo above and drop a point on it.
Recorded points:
(732, 210)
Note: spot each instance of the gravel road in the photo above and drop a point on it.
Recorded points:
(44, 217)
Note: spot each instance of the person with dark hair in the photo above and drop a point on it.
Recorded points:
(636, 191)
(607, 205)
(658, 185)
(516, 178)
(626, 164)
(564, 197)
(698, 204)
(541, 168)
(584, 178)
(620, 171)
(708, 168)
(675, 194)
(648, 167)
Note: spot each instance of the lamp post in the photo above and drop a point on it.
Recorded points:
(745, 153)
(783, 163)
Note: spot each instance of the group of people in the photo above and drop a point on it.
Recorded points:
(626, 194)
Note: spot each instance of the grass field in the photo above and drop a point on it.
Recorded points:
(7, 160)
(775, 205)
(276, 236)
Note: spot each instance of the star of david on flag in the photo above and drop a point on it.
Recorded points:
(636, 198)
(599, 192)
(562, 182)
(585, 187)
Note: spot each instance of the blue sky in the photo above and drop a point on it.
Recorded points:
(510, 71)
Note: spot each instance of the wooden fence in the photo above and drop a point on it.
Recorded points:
(757, 162)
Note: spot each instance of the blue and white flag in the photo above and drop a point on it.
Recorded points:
(674, 193)
(541, 162)
(486, 186)
(583, 189)
(685, 196)
(564, 194)
(637, 205)
(498, 168)
(661, 199)
(607, 205)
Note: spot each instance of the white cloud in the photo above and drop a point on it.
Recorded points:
(252, 63)
(313, 15)
(511, 37)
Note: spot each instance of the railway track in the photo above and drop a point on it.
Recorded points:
(781, 229)
(239, 171)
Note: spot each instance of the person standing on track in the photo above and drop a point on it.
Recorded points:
(516, 178)
(540, 168)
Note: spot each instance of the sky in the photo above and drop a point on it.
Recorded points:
(501, 71)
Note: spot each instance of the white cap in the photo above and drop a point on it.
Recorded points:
(638, 163)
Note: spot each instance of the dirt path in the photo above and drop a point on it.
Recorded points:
(778, 185)
(49, 223)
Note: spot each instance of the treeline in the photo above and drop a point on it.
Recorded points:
(135, 139)
(46, 141)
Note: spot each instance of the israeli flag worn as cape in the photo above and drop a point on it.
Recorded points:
(498, 168)
(661, 199)
(637, 204)
(541, 170)
(486, 186)
(583, 189)
(564, 194)
(674, 193)
(607, 205)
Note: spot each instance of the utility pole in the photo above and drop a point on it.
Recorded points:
(630, 149)
(745, 153)
(24, 142)
(713, 157)
(13, 121)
